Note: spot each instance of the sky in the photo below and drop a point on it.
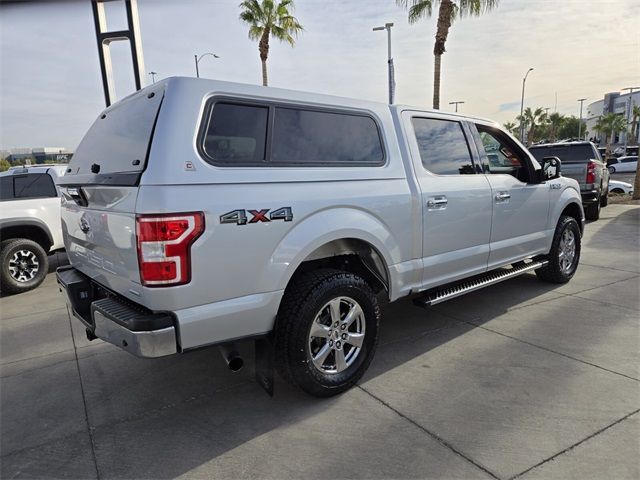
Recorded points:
(51, 91)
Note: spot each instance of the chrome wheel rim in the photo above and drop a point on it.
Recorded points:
(23, 266)
(567, 253)
(336, 335)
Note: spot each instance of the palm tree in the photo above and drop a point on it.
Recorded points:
(555, 122)
(609, 125)
(448, 11)
(532, 119)
(511, 127)
(267, 18)
(635, 115)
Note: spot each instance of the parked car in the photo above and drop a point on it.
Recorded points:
(30, 226)
(623, 164)
(243, 212)
(582, 162)
(616, 186)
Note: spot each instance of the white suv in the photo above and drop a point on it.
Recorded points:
(29, 225)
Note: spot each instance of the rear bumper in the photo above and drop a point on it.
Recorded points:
(590, 196)
(117, 320)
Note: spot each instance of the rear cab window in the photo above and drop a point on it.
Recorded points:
(242, 134)
(114, 150)
(23, 187)
(566, 153)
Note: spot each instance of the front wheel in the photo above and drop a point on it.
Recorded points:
(326, 331)
(565, 252)
(611, 169)
(24, 265)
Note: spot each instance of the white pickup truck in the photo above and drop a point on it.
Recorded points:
(29, 225)
(199, 213)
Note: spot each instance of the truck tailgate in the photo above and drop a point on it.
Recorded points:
(100, 237)
(575, 170)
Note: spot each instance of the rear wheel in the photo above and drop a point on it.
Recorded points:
(604, 199)
(326, 331)
(565, 252)
(612, 169)
(24, 265)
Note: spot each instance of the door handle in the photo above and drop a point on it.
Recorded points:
(502, 197)
(437, 203)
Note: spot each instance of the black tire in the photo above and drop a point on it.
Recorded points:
(604, 199)
(554, 271)
(15, 283)
(306, 298)
(612, 169)
(592, 212)
(617, 190)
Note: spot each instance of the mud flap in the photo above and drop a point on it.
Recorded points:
(264, 364)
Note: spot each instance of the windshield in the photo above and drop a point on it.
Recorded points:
(566, 153)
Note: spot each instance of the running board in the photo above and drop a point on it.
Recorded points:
(447, 292)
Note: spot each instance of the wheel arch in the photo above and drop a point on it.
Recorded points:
(29, 228)
(350, 238)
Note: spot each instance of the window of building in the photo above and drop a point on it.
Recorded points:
(443, 146)
(318, 137)
(237, 134)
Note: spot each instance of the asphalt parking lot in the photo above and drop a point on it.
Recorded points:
(520, 380)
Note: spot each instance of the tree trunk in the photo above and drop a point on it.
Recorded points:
(436, 81)
(263, 48)
(445, 16)
(636, 186)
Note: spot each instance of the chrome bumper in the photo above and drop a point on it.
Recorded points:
(115, 320)
(151, 344)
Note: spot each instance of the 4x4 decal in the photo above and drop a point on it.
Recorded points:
(239, 217)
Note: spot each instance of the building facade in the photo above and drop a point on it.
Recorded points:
(35, 156)
(620, 104)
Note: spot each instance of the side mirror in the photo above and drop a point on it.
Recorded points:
(550, 168)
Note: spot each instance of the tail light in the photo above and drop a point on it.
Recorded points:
(591, 172)
(164, 247)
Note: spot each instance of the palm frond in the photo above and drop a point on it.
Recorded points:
(475, 8)
(417, 8)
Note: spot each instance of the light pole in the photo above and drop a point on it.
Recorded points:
(392, 82)
(522, 106)
(629, 112)
(581, 100)
(198, 58)
(456, 104)
(153, 76)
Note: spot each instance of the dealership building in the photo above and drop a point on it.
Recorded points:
(21, 156)
(615, 102)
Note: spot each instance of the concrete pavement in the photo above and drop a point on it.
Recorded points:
(520, 380)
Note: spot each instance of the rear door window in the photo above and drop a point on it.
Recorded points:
(443, 146)
(6, 188)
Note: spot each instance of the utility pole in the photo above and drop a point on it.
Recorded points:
(456, 103)
(153, 76)
(391, 73)
(522, 106)
(581, 100)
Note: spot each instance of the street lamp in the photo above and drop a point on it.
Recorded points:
(198, 58)
(522, 105)
(392, 82)
(581, 100)
(456, 104)
(153, 76)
